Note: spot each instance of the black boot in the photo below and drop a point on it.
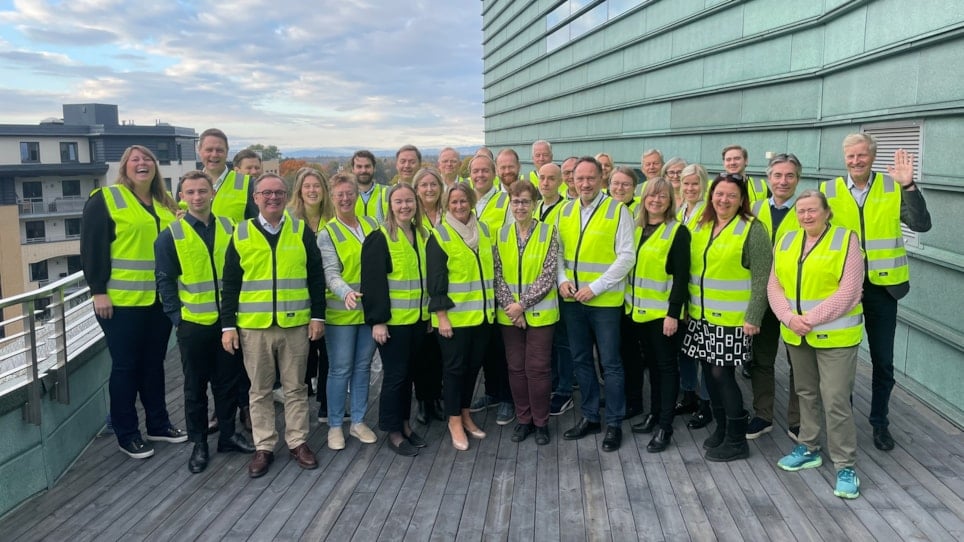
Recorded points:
(734, 446)
(719, 434)
(687, 404)
(703, 416)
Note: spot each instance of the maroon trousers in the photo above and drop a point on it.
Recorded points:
(528, 354)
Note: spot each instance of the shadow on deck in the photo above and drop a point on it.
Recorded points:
(568, 490)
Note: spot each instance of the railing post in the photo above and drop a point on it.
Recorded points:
(31, 409)
(61, 386)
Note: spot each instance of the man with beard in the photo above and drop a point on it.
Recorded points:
(372, 197)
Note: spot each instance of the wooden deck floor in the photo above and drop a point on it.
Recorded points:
(499, 490)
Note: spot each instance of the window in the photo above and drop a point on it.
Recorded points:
(38, 271)
(36, 231)
(68, 152)
(71, 188)
(72, 225)
(167, 183)
(33, 190)
(890, 137)
(73, 264)
(164, 152)
(29, 152)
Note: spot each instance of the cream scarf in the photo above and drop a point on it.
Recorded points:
(468, 232)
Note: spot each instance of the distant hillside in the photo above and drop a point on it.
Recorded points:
(348, 151)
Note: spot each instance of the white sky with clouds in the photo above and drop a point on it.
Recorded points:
(296, 74)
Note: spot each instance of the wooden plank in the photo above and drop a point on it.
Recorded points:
(572, 519)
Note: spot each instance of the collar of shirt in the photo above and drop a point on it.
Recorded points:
(267, 225)
(851, 185)
(480, 205)
(786, 205)
(220, 180)
(194, 221)
(367, 194)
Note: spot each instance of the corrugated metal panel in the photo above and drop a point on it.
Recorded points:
(889, 138)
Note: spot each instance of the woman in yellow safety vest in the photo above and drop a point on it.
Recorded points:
(525, 287)
(462, 300)
(393, 277)
(672, 171)
(348, 339)
(815, 290)
(656, 292)
(311, 202)
(622, 187)
(730, 259)
(695, 398)
(119, 225)
(427, 375)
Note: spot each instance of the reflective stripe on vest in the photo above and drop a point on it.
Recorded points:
(763, 212)
(132, 282)
(719, 284)
(407, 290)
(694, 217)
(649, 285)
(495, 211)
(275, 285)
(377, 205)
(589, 252)
(471, 276)
(232, 197)
(877, 224)
(348, 248)
(199, 286)
(521, 273)
(809, 280)
(756, 188)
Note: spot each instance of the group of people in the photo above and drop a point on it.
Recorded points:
(579, 272)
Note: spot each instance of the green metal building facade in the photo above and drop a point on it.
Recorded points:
(689, 77)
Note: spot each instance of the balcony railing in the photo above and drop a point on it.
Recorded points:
(62, 205)
(50, 239)
(40, 343)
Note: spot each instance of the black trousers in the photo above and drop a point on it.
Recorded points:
(427, 371)
(659, 353)
(398, 355)
(205, 361)
(461, 360)
(634, 362)
(495, 368)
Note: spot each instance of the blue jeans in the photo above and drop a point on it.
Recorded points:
(583, 323)
(880, 321)
(689, 371)
(137, 341)
(350, 351)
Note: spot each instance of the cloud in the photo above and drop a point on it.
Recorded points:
(374, 72)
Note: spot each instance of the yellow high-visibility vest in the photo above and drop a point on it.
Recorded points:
(199, 286)
(521, 273)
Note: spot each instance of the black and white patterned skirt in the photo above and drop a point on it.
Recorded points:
(717, 345)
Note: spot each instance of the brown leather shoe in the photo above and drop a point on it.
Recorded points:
(304, 456)
(259, 463)
(245, 414)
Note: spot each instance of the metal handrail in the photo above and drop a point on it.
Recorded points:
(40, 342)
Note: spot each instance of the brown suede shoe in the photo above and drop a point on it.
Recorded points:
(304, 456)
(259, 463)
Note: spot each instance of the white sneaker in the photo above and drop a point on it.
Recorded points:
(362, 433)
(336, 439)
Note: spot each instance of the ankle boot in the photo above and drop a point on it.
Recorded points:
(734, 445)
(688, 404)
(719, 434)
(703, 416)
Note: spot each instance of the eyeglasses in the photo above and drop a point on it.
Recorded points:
(521, 202)
(268, 194)
(734, 177)
(673, 172)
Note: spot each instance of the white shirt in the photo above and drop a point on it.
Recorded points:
(615, 277)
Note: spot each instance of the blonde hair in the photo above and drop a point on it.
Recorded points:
(296, 205)
(655, 186)
(391, 222)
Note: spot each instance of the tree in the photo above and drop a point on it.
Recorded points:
(290, 166)
(270, 152)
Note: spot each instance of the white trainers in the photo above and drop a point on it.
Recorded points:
(362, 433)
(336, 439)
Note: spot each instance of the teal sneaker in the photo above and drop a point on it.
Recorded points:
(848, 485)
(800, 458)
